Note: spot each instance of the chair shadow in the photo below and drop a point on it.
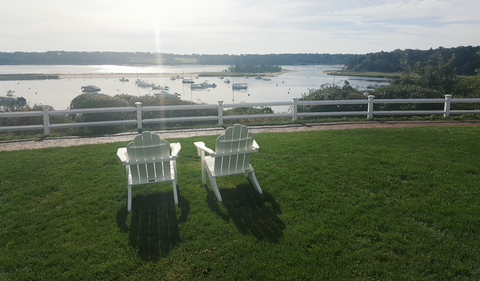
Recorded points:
(252, 213)
(153, 227)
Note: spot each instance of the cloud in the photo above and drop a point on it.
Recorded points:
(237, 27)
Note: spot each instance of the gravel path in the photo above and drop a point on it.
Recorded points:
(186, 133)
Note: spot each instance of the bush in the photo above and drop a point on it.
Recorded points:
(148, 100)
(333, 92)
(407, 92)
(97, 100)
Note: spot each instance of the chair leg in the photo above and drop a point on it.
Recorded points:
(252, 177)
(129, 200)
(175, 170)
(175, 197)
(204, 180)
(213, 181)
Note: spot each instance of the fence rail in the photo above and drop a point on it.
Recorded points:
(139, 121)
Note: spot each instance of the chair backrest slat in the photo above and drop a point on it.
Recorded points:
(145, 141)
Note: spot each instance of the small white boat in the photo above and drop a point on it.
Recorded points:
(202, 85)
(90, 89)
(188, 81)
(158, 87)
(267, 79)
(208, 85)
(196, 86)
(258, 77)
(123, 80)
(165, 94)
(5, 100)
(240, 86)
(143, 84)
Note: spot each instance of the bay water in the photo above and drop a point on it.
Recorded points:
(59, 93)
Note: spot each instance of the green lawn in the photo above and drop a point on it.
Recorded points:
(364, 204)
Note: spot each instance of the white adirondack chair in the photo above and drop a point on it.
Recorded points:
(232, 155)
(147, 160)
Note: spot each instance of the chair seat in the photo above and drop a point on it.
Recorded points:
(210, 161)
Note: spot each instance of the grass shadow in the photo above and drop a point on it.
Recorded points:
(252, 213)
(153, 227)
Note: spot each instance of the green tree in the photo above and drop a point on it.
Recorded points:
(333, 92)
(468, 87)
(433, 79)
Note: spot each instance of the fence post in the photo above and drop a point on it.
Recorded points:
(295, 104)
(446, 109)
(46, 120)
(220, 112)
(139, 116)
(370, 106)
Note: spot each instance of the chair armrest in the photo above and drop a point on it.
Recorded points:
(175, 147)
(122, 154)
(255, 145)
(201, 148)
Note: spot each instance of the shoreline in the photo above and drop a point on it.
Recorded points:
(160, 75)
(121, 75)
(55, 76)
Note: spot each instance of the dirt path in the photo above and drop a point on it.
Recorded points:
(186, 133)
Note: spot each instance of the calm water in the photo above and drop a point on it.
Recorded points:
(59, 93)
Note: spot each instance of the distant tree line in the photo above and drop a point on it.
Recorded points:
(274, 59)
(464, 59)
(130, 58)
(77, 58)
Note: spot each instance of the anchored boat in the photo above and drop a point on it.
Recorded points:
(90, 88)
(240, 86)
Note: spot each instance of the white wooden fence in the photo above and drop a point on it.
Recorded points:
(139, 121)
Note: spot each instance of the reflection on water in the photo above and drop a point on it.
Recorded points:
(59, 93)
(85, 69)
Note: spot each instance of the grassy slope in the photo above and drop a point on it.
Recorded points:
(389, 204)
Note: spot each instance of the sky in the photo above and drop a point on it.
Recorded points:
(237, 26)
